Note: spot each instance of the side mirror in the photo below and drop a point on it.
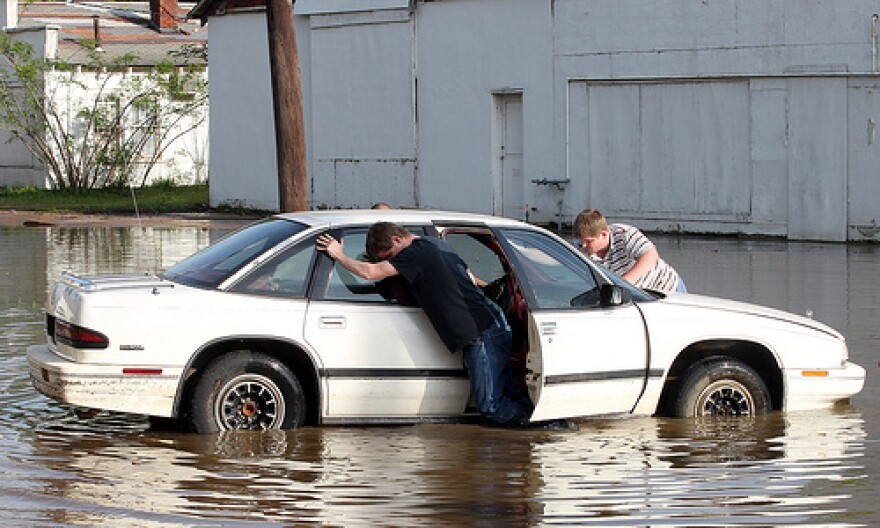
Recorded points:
(613, 295)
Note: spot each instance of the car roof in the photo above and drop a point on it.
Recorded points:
(399, 216)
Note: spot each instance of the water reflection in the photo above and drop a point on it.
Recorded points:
(700, 472)
(704, 442)
(797, 277)
(32, 259)
(785, 469)
(791, 469)
(121, 250)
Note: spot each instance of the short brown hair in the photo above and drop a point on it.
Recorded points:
(589, 223)
(379, 237)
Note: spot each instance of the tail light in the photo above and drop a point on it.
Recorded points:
(79, 337)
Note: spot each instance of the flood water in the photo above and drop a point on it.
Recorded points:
(796, 469)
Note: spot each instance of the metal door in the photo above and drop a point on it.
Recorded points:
(863, 137)
(508, 186)
(381, 361)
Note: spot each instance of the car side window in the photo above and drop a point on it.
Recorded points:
(284, 275)
(481, 260)
(346, 286)
(557, 277)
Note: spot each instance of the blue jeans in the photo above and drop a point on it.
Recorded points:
(488, 362)
(680, 287)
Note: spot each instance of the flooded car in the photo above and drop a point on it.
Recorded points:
(263, 331)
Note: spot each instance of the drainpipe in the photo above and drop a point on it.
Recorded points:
(414, 91)
(874, 43)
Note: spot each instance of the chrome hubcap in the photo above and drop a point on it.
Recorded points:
(251, 402)
(725, 398)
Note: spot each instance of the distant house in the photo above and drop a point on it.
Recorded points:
(714, 117)
(149, 31)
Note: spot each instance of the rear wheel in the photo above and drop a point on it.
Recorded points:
(721, 387)
(247, 390)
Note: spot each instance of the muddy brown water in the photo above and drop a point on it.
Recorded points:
(806, 469)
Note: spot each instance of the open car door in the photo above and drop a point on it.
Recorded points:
(588, 351)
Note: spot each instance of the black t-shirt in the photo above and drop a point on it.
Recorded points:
(439, 281)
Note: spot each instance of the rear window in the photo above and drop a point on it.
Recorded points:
(211, 266)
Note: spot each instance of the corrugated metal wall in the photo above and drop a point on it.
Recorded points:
(363, 131)
(716, 117)
(762, 156)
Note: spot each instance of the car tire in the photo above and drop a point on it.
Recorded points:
(721, 387)
(163, 424)
(247, 390)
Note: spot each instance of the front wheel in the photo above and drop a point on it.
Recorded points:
(721, 387)
(247, 390)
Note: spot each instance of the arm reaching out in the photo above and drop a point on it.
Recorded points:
(365, 270)
(643, 265)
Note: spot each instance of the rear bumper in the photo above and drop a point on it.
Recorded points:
(806, 392)
(105, 387)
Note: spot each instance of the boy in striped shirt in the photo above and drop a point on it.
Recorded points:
(626, 251)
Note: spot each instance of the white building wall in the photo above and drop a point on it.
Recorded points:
(363, 127)
(242, 163)
(18, 167)
(183, 161)
(675, 38)
(8, 13)
(739, 117)
(796, 64)
(468, 51)
(863, 158)
(185, 157)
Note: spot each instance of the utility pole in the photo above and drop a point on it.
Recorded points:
(290, 144)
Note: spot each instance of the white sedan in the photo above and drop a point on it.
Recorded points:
(261, 330)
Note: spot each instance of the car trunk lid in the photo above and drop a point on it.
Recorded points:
(85, 314)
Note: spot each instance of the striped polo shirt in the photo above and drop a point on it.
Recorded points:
(628, 244)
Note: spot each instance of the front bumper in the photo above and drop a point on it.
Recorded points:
(105, 387)
(807, 392)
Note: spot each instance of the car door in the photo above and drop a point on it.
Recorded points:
(382, 359)
(584, 358)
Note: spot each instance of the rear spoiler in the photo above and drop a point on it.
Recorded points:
(112, 282)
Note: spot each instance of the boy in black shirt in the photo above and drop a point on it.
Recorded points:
(457, 309)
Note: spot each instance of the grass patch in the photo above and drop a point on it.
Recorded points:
(156, 199)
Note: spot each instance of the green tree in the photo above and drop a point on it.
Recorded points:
(101, 122)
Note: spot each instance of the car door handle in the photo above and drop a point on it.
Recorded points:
(548, 329)
(335, 322)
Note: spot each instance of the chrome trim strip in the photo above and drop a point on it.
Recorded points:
(371, 373)
(586, 377)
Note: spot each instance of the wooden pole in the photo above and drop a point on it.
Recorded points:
(290, 144)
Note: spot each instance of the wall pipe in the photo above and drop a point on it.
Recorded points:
(874, 44)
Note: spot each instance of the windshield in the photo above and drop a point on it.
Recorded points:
(211, 266)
